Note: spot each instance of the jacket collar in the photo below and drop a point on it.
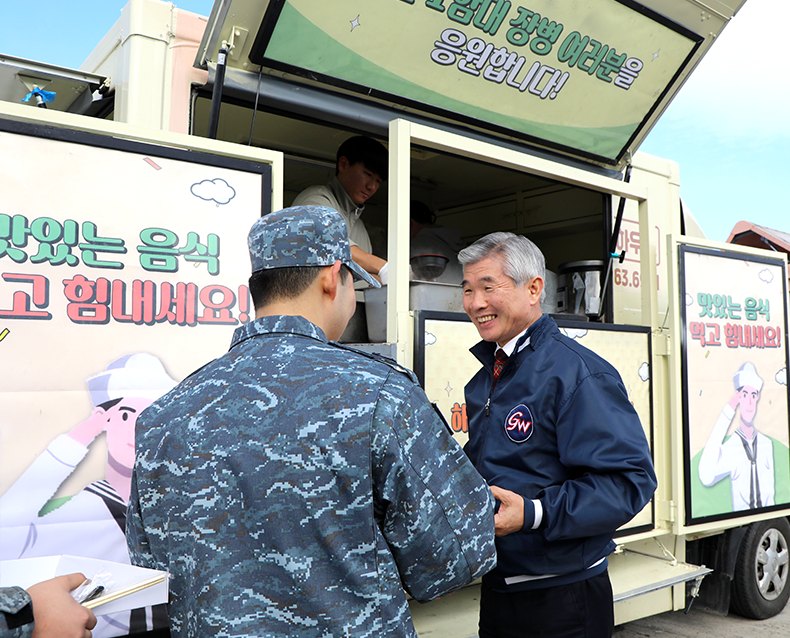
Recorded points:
(282, 324)
(537, 333)
(344, 199)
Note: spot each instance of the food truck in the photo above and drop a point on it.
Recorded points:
(126, 203)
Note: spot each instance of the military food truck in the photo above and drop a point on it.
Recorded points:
(497, 116)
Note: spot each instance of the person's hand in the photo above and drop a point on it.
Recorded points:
(510, 517)
(90, 428)
(56, 613)
(383, 274)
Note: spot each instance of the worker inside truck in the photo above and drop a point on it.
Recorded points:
(361, 167)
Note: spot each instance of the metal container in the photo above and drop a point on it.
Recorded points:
(428, 267)
(579, 291)
(357, 330)
(423, 295)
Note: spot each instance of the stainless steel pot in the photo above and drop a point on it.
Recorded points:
(579, 288)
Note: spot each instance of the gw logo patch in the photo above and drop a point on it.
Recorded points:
(519, 424)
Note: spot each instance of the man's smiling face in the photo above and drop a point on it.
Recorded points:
(498, 307)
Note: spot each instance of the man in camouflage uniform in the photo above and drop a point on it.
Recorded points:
(294, 487)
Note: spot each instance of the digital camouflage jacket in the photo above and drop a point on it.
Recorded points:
(294, 487)
(16, 616)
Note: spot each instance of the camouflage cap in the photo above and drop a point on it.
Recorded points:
(302, 236)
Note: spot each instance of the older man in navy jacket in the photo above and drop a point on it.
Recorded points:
(553, 432)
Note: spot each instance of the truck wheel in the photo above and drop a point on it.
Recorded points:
(760, 588)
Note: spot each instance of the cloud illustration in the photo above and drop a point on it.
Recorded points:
(644, 371)
(216, 190)
(575, 333)
(766, 275)
(430, 339)
(781, 376)
(689, 299)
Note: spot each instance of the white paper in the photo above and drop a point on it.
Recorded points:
(29, 571)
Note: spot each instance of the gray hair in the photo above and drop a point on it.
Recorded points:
(522, 260)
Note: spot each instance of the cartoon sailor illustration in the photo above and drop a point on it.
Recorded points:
(747, 455)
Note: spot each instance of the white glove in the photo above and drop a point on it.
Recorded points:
(383, 274)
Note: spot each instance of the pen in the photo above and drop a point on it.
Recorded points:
(94, 594)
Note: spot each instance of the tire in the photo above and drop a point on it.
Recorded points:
(761, 587)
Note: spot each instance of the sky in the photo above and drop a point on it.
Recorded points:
(728, 128)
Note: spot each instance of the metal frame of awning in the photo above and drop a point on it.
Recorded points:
(74, 89)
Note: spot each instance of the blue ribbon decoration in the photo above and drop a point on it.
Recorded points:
(46, 96)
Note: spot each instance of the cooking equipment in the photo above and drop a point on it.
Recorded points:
(579, 289)
(423, 295)
(428, 267)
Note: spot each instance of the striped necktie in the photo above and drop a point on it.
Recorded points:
(499, 362)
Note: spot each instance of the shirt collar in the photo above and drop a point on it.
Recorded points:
(510, 346)
(287, 324)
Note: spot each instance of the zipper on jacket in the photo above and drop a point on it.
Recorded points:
(490, 391)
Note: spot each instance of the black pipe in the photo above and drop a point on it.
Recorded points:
(613, 244)
(216, 95)
(619, 219)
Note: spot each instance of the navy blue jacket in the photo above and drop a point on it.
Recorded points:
(559, 428)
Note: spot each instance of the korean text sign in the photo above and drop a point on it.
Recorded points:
(123, 268)
(579, 74)
(735, 383)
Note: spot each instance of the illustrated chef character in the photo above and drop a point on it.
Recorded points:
(747, 455)
(92, 522)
